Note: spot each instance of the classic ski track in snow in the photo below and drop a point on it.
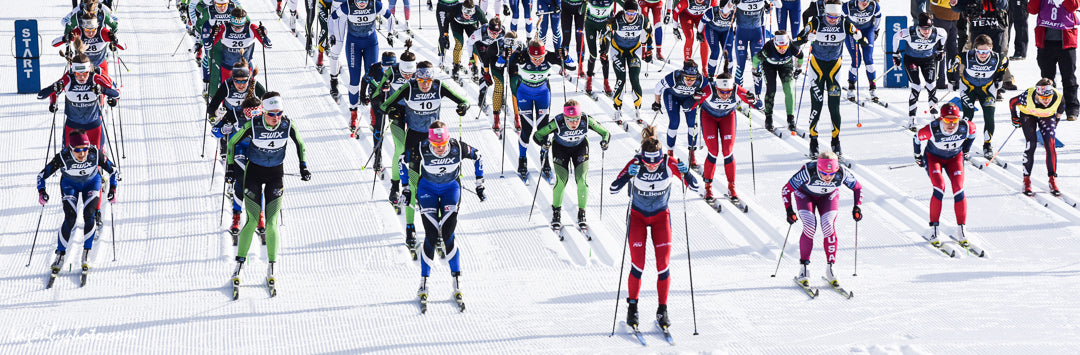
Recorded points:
(347, 284)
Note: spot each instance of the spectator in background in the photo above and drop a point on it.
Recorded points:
(991, 18)
(917, 7)
(945, 18)
(1019, 16)
(1055, 38)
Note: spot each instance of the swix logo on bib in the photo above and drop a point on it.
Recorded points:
(79, 171)
(534, 75)
(699, 9)
(362, 21)
(947, 145)
(919, 44)
(652, 188)
(861, 17)
(79, 95)
(267, 139)
(719, 107)
(95, 48)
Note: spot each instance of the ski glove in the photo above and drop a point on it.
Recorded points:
(304, 173)
(633, 169)
(230, 174)
(683, 168)
(698, 94)
(43, 197)
(1015, 120)
(757, 72)
(462, 108)
(856, 213)
(858, 35)
(604, 144)
(667, 17)
(919, 161)
(112, 102)
(656, 106)
(810, 37)
(791, 216)
(111, 196)
(795, 75)
(647, 57)
(506, 10)
(897, 59)
(480, 189)
(52, 108)
(364, 100)
(701, 36)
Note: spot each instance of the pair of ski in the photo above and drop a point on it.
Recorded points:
(625, 125)
(734, 200)
(951, 252)
(440, 249)
(814, 292)
(581, 227)
(980, 162)
(636, 333)
(271, 287)
(423, 299)
(791, 130)
(56, 272)
(549, 177)
(874, 99)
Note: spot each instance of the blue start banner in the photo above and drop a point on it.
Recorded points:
(27, 53)
(895, 76)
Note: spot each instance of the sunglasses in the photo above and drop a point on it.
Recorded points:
(439, 144)
(275, 114)
(822, 173)
(424, 81)
(982, 51)
(243, 81)
(950, 120)
(631, 13)
(724, 92)
(80, 150)
(831, 16)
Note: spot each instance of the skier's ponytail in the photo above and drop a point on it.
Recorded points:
(649, 143)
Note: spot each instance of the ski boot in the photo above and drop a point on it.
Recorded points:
(708, 193)
(835, 144)
(631, 312)
(454, 72)
(1027, 186)
(813, 148)
(851, 91)
(545, 170)
(791, 122)
(235, 230)
(618, 114)
(236, 278)
(85, 266)
(261, 230)
(523, 169)
(933, 239)
(354, 122)
(517, 123)
(556, 219)
(410, 239)
(271, 282)
(56, 265)
(804, 275)
(607, 88)
(422, 294)
(588, 86)
(1053, 187)
(873, 92)
(912, 126)
(496, 126)
(693, 160)
(731, 191)
(568, 62)
(333, 88)
(768, 123)
(319, 63)
(457, 291)
(660, 55)
(988, 152)
(581, 71)
(961, 238)
(582, 224)
(278, 11)
(662, 317)
(394, 187)
(829, 277)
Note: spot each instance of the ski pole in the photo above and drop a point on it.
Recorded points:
(50, 143)
(506, 112)
(112, 226)
(178, 45)
(535, 192)
(603, 153)
(891, 167)
(689, 265)
(753, 165)
(202, 151)
(1002, 146)
(213, 170)
(856, 273)
(377, 150)
(266, 71)
(802, 91)
(224, 184)
(33, 246)
(858, 105)
(622, 263)
(786, 235)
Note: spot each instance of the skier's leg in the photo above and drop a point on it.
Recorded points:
(580, 159)
(834, 97)
(71, 214)
(914, 84)
(91, 198)
(805, 206)
(715, 50)
(711, 131)
(412, 142)
(686, 23)
(429, 210)
(987, 102)
(1030, 126)
(449, 199)
(620, 76)
(727, 145)
(635, 79)
(770, 73)
(672, 106)
(272, 192)
(816, 96)
(636, 235)
(353, 51)
(933, 168)
(828, 210)
(661, 236)
(253, 195)
(955, 168)
(397, 129)
(1048, 127)
(561, 157)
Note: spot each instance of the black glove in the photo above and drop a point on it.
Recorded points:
(230, 173)
(52, 108)
(751, 97)
(656, 106)
(604, 144)
(897, 59)
(506, 10)
(698, 94)
(939, 56)
(96, 89)
(795, 75)
(444, 41)
(647, 56)
(111, 196)
(262, 31)
(43, 197)
(856, 213)
(67, 37)
(919, 161)
(791, 216)
(667, 17)
(757, 72)
(364, 99)
(57, 86)
(462, 108)
(111, 101)
(112, 37)
(701, 36)
(480, 189)
(304, 173)
(1015, 120)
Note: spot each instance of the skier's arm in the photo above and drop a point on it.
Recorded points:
(301, 151)
(108, 166)
(542, 132)
(852, 183)
(623, 177)
(219, 97)
(605, 136)
(662, 85)
(449, 93)
(923, 134)
(394, 97)
(53, 166)
(999, 75)
(54, 90)
(230, 147)
(471, 41)
(107, 86)
(259, 35)
(970, 137)
(794, 184)
(688, 180)
(468, 151)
